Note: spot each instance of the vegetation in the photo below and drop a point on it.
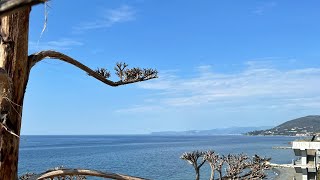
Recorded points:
(237, 166)
(304, 126)
(15, 67)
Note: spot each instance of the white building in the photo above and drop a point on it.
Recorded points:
(308, 151)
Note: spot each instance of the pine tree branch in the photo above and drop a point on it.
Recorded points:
(9, 6)
(37, 57)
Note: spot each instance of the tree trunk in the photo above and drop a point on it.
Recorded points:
(220, 175)
(212, 173)
(197, 173)
(14, 30)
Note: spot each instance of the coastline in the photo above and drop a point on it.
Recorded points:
(286, 173)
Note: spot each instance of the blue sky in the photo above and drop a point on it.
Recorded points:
(221, 63)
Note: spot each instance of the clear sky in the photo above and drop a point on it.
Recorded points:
(221, 63)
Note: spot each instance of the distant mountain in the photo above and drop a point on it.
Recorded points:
(303, 126)
(218, 131)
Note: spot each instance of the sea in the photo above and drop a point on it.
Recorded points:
(152, 157)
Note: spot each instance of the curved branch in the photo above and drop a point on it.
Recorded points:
(201, 163)
(9, 6)
(86, 172)
(37, 57)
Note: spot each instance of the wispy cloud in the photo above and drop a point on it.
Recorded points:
(60, 44)
(275, 88)
(140, 109)
(261, 9)
(109, 18)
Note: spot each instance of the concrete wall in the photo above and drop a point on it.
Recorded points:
(305, 145)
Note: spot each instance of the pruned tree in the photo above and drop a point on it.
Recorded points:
(192, 158)
(240, 166)
(15, 67)
(212, 158)
(237, 166)
(258, 166)
(219, 166)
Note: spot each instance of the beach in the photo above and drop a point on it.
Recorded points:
(286, 174)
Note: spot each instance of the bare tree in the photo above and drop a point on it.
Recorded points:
(237, 166)
(219, 166)
(212, 158)
(192, 158)
(15, 67)
(240, 166)
(258, 166)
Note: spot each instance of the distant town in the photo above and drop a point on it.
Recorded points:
(295, 131)
(304, 126)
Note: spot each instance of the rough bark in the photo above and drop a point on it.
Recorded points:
(9, 6)
(14, 60)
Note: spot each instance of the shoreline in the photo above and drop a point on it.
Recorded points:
(286, 173)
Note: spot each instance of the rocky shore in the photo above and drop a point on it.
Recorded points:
(284, 173)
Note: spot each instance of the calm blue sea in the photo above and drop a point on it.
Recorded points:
(154, 157)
